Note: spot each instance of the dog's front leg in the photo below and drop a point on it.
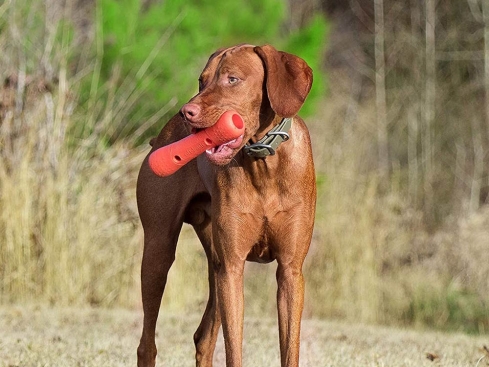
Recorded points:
(231, 302)
(229, 243)
(206, 335)
(290, 302)
(295, 239)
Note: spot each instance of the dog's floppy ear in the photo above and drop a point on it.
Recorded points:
(288, 80)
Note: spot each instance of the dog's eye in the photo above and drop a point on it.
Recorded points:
(232, 80)
(201, 84)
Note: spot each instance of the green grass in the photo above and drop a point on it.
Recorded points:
(92, 337)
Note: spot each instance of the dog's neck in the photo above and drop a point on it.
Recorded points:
(267, 123)
(270, 142)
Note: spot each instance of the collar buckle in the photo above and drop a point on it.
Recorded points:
(269, 143)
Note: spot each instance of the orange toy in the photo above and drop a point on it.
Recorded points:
(168, 159)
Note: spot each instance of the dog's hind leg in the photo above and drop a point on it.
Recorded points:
(158, 256)
(162, 218)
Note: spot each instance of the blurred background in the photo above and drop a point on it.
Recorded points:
(399, 116)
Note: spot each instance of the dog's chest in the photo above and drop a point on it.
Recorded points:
(262, 250)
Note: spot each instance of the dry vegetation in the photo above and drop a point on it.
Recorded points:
(65, 212)
(402, 147)
(68, 222)
(402, 241)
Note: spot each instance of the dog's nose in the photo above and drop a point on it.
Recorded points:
(190, 112)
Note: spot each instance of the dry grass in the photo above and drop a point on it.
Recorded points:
(89, 337)
(69, 232)
(373, 257)
(68, 220)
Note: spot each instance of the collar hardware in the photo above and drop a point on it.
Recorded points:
(269, 143)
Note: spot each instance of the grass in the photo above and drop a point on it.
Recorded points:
(67, 202)
(70, 235)
(63, 210)
(37, 336)
(373, 259)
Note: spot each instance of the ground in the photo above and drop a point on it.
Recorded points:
(38, 336)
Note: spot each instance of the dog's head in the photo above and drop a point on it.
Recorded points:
(260, 83)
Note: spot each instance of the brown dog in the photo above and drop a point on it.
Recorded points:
(250, 199)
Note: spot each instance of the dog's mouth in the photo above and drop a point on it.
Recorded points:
(223, 153)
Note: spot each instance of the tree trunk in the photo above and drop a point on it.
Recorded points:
(380, 94)
(485, 16)
(429, 108)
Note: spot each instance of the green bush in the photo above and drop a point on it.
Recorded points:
(150, 58)
(310, 44)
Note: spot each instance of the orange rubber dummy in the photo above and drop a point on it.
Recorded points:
(170, 158)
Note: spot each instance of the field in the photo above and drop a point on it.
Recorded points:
(401, 149)
(38, 336)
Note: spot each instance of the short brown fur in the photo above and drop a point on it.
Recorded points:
(242, 208)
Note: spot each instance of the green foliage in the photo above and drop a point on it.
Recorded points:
(156, 54)
(310, 43)
(119, 25)
(448, 309)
